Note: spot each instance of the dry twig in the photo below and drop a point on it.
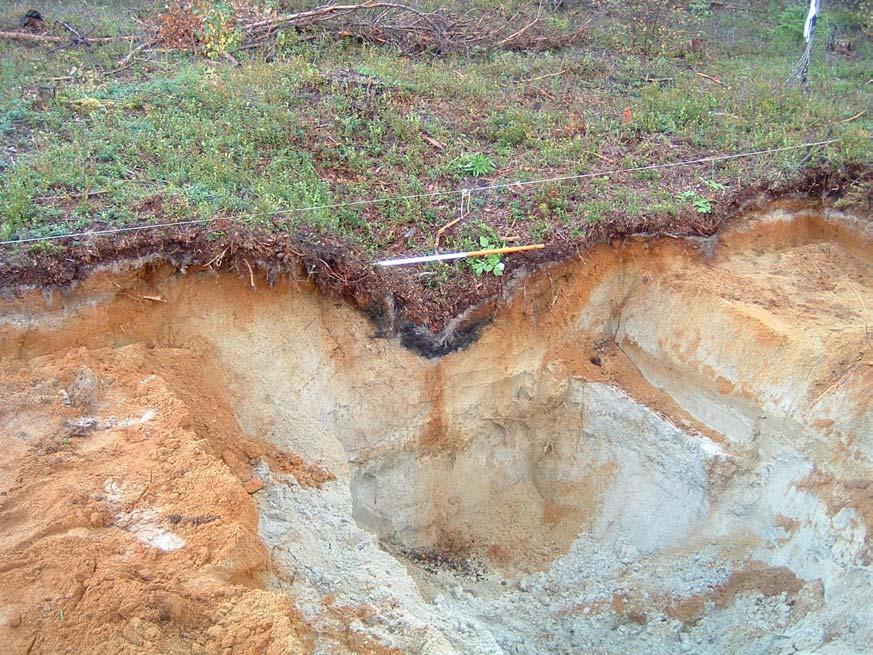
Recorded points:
(543, 77)
(710, 78)
(855, 117)
(49, 38)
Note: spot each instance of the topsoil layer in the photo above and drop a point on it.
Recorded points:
(431, 322)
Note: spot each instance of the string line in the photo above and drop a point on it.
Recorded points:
(463, 192)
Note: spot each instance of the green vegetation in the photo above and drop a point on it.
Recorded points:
(314, 120)
(475, 164)
(220, 34)
(490, 264)
(700, 203)
(715, 186)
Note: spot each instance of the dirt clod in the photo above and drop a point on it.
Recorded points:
(83, 391)
(253, 485)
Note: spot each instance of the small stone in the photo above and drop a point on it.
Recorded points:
(172, 606)
(629, 553)
(96, 520)
(843, 519)
(233, 461)
(83, 390)
(151, 632)
(82, 426)
(637, 617)
(251, 450)
(145, 574)
(132, 631)
(253, 485)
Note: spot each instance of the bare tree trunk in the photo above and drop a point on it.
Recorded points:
(800, 74)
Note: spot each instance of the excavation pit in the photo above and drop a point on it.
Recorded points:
(522, 488)
(664, 447)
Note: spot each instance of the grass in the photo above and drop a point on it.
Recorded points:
(326, 121)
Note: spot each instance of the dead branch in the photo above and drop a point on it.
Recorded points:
(851, 118)
(524, 29)
(320, 13)
(48, 38)
(546, 76)
(124, 63)
(710, 78)
(384, 22)
(414, 29)
(402, 25)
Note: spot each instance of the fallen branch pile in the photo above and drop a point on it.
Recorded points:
(412, 29)
(415, 30)
(183, 26)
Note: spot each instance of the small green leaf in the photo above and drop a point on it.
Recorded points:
(715, 186)
(475, 164)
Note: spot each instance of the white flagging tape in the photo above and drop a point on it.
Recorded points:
(435, 194)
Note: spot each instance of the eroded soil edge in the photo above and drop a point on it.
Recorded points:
(662, 446)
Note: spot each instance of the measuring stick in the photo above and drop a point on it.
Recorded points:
(458, 255)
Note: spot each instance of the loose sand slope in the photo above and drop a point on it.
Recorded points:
(121, 529)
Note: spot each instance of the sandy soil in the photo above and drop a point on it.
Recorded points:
(121, 528)
(647, 439)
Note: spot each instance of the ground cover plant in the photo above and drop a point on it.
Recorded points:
(274, 128)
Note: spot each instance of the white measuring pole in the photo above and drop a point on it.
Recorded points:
(458, 255)
(422, 260)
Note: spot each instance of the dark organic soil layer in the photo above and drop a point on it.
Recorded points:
(398, 301)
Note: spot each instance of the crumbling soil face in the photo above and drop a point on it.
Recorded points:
(122, 529)
(658, 448)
